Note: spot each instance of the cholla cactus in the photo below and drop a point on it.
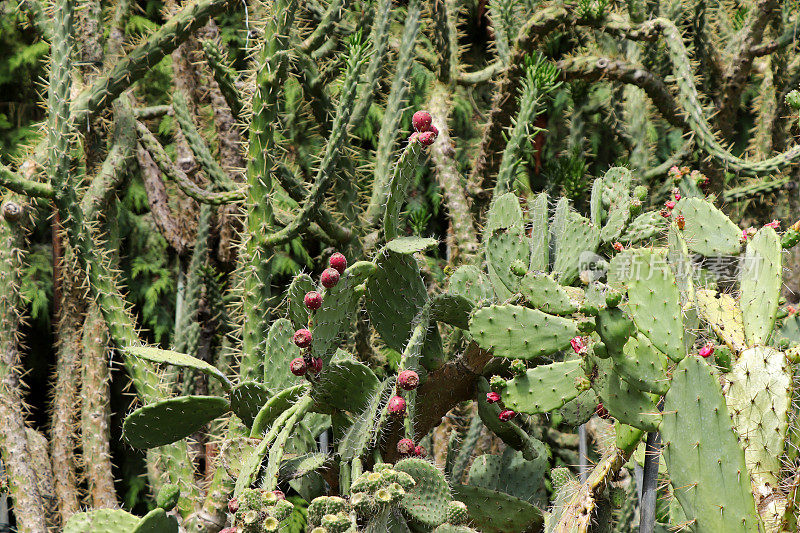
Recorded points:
(363, 388)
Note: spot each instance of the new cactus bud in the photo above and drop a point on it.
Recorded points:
(492, 397)
(405, 446)
(233, 505)
(168, 496)
(302, 338)
(675, 174)
(396, 406)
(421, 120)
(640, 192)
(457, 513)
(427, 138)
(297, 367)
(518, 268)
(613, 298)
(497, 383)
(338, 261)
(578, 345)
(793, 99)
(316, 365)
(582, 383)
(506, 415)
(707, 350)
(419, 451)
(408, 380)
(723, 358)
(617, 497)
(670, 205)
(680, 221)
(329, 278)
(617, 246)
(313, 300)
(518, 366)
(279, 494)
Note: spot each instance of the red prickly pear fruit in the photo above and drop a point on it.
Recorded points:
(419, 451)
(298, 366)
(405, 446)
(414, 137)
(233, 505)
(316, 365)
(396, 406)
(578, 345)
(618, 246)
(665, 213)
(329, 278)
(229, 530)
(506, 415)
(427, 138)
(680, 221)
(338, 262)
(775, 224)
(421, 121)
(707, 350)
(302, 338)
(408, 380)
(670, 205)
(433, 129)
(313, 300)
(279, 494)
(492, 397)
(677, 196)
(602, 412)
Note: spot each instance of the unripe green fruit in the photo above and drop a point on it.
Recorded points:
(497, 383)
(396, 491)
(282, 510)
(383, 496)
(381, 466)
(362, 503)
(617, 497)
(518, 366)
(613, 298)
(518, 268)
(793, 354)
(271, 524)
(457, 513)
(586, 326)
(168, 496)
(582, 383)
(560, 477)
(640, 192)
(723, 357)
(250, 500)
(336, 523)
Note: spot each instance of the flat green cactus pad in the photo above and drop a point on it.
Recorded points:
(498, 512)
(510, 432)
(346, 385)
(169, 357)
(276, 405)
(542, 292)
(279, 351)
(157, 521)
(395, 295)
(247, 399)
(681, 263)
(643, 228)
(298, 312)
(724, 316)
(450, 528)
(708, 231)
(411, 245)
(468, 281)
(642, 366)
(503, 248)
(426, 501)
(520, 333)
(543, 388)
(760, 280)
(597, 212)
(654, 300)
(452, 309)
(504, 213)
(366, 426)
(576, 236)
(338, 309)
(617, 183)
(580, 409)
(513, 474)
(540, 233)
(614, 328)
(759, 400)
(706, 464)
(170, 420)
(101, 521)
(624, 402)
(618, 216)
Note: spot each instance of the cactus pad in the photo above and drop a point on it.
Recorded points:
(543, 388)
(505, 213)
(279, 351)
(158, 355)
(452, 309)
(573, 238)
(468, 281)
(724, 317)
(411, 245)
(643, 228)
(510, 433)
(298, 312)
(542, 292)
(276, 405)
(760, 280)
(498, 512)
(511, 473)
(708, 231)
(759, 400)
(426, 501)
(705, 462)
(642, 366)
(157, 521)
(101, 521)
(346, 385)
(540, 234)
(504, 248)
(519, 332)
(247, 399)
(170, 420)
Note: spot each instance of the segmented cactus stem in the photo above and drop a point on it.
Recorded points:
(379, 37)
(224, 75)
(12, 180)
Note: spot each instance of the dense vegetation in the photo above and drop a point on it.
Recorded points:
(376, 265)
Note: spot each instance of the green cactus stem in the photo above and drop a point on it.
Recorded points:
(224, 75)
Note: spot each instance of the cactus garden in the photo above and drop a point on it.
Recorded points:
(328, 266)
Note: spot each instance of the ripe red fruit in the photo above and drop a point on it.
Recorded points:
(665, 213)
(680, 221)
(707, 350)
(602, 412)
(414, 137)
(578, 346)
(396, 406)
(670, 205)
(329, 278)
(492, 397)
(233, 505)
(229, 530)
(316, 365)
(434, 130)
(617, 246)
(421, 121)
(427, 138)
(408, 380)
(405, 446)
(279, 494)
(313, 300)
(419, 451)
(298, 366)
(506, 415)
(338, 261)
(302, 338)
